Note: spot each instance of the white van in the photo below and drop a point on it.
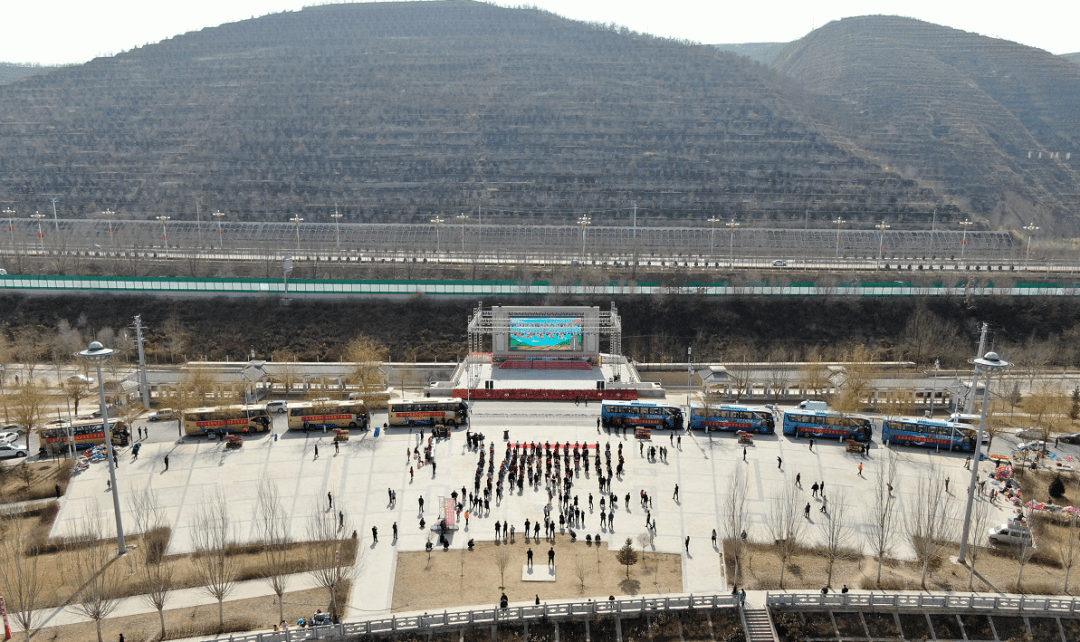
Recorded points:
(961, 418)
(279, 406)
(806, 404)
(1012, 534)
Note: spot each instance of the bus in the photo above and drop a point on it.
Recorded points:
(617, 414)
(428, 412)
(826, 424)
(86, 432)
(732, 417)
(226, 419)
(933, 433)
(331, 414)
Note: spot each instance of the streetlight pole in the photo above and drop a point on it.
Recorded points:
(881, 227)
(1031, 229)
(337, 225)
(164, 230)
(712, 235)
(966, 223)
(56, 223)
(10, 214)
(218, 214)
(689, 382)
(108, 214)
(297, 220)
(463, 217)
(97, 355)
(988, 363)
(438, 221)
(839, 221)
(37, 216)
(584, 222)
(732, 224)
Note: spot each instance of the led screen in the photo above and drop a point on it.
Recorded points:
(546, 333)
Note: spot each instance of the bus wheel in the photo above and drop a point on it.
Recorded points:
(451, 424)
(352, 425)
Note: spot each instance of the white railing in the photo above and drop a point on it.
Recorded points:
(924, 601)
(381, 625)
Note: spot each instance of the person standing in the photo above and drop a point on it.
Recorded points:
(375, 534)
(860, 473)
(341, 519)
(674, 496)
(744, 453)
(811, 444)
(806, 511)
(779, 463)
(329, 500)
(395, 531)
(316, 452)
(421, 501)
(166, 462)
(687, 544)
(551, 557)
(714, 538)
(798, 479)
(529, 557)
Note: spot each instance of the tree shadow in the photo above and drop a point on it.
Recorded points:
(630, 586)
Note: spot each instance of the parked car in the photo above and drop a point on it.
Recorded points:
(278, 405)
(8, 437)
(1011, 534)
(1036, 444)
(1071, 438)
(163, 414)
(320, 619)
(779, 263)
(8, 451)
(1034, 432)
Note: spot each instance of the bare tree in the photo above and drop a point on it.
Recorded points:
(779, 372)
(30, 347)
(273, 525)
(367, 356)
(879, 532)
(212, 535)
(581, 572)
(77, 388)
(20, 582)
(736, 516)
(643, 540)
(95, 572)
(929, 521)
(329, 558)
(502, 560)
(1068, 551)
(1023, 551)
(837, 531)
(786, 526)
(29, 406)
(284, 360)
(157, 575)
(814, 379)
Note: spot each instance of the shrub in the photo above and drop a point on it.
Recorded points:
(1057, 487)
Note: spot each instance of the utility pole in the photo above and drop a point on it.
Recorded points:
(144, 382)
(969, 406)
(56, 223)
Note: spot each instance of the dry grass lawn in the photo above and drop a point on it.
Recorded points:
(460, 577)
(43, 478)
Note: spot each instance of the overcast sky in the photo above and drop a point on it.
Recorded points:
(63, 31)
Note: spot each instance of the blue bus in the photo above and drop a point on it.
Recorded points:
(616, 414)
(931, 433)
(827, 424)
(732, 417)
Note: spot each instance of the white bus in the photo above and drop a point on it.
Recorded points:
(428, 412)
(226, 419)
(331, 414)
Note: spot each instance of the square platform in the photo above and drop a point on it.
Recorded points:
(538, 573)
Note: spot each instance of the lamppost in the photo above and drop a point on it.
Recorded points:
(732, 224)
(438, 221)
(839, 221)
(966, 223)
(218, 214)
(164, 230)
(988, 363)
(297, 220)
(37, 216)
(463, 217)
(56, 223)
(881, 227)
(109, 214)
(1031, 229)
(337, 227)
(97, 355)
(286, 267)
(689, 382)
(712, 235)
(584, 222)
(10, 214)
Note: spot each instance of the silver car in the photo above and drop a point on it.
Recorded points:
(9, 451)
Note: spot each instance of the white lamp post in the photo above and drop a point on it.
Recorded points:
(584, 222)
(297, 220)
(97, 355)
(10, 214)
(438, 221)
(164, 230)
(337, 230)
(712, 235)
(732, 224)
(989, 363)
(56, 223)
(218, 214)
(463, 217)
(881, 227)
(966, 223)
(1031, 229)
(37, 216)
(839, 221)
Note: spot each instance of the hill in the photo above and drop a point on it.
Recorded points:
(763, 52)
(993, 122)
(1075, 57)
(402, 111)
(10, 72)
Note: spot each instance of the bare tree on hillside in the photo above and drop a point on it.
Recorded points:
(212, 536)
(785, 526)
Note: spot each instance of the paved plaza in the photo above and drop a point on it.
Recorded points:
(359, 475)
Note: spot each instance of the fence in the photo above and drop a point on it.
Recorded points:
(925, 601)
(491, 616)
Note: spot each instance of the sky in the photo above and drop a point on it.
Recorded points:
(74, 31)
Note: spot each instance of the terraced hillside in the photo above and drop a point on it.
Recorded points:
(400, 111)
(10, 72)
(993, 122)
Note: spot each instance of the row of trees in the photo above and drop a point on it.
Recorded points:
(329, 554)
